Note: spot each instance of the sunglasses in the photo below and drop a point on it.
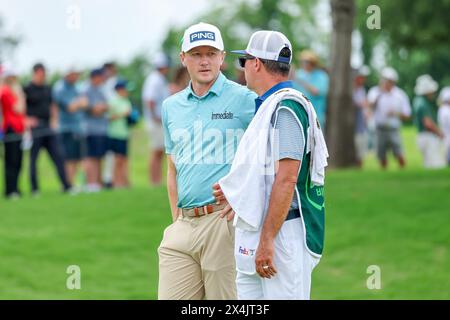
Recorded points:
(242, 60)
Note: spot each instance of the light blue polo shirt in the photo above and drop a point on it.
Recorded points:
(64, 94)
(202, 135)
(319, 79)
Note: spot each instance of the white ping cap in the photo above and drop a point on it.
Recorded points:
(202, 34)
(267, 45)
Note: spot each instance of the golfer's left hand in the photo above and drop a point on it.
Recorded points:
(220, 198)
(218, 193)
(264, 259)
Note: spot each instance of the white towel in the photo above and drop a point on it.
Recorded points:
(248, 185)
(317, 147)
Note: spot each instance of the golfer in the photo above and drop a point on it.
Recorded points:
(202, 127)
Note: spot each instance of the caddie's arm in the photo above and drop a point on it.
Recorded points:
(280, 201)
(172, 186)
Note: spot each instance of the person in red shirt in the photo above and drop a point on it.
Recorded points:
(13, 126)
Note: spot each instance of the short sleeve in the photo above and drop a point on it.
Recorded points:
(153, 88)
(168, 143)
(323, 83)
(289, 136)
(372, 95)
(444, 118)
(128, 106)
(6, 97)
(52, 98)
(55, 93)
(406, 107)
(248, 108)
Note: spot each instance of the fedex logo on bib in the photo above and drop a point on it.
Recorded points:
(202, 35)
(246, 252)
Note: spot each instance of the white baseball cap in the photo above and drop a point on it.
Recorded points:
(267, 45)
(73, 68)
(364, 71)
(425, 84)
(202, 34)
(161, 60)
(389, 73)
(8, 70)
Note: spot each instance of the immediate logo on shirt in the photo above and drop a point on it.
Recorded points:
(222, 116)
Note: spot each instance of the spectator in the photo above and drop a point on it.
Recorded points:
(390, 105)
(97, 127)
(425, 110)
(71, 105)
(313, 82)
(444, 119)
(110, 78)
(13, 126)
(119, 109)
(154, 92)
(240, 74)
(180, 80)
(1, 117)
(362, 109)
(42, 112)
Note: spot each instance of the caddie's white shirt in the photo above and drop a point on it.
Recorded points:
(155, 89)
(395, 100)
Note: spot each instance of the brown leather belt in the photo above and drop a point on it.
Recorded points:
(201, 211)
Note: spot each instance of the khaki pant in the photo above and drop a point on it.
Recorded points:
(196, 259)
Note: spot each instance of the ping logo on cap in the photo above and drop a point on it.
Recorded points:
(202, 35)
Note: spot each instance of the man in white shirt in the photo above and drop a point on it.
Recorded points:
(278, 198)
(391, 106)
(444, 119)
(110, 76)
(154, 92)
(361, 137)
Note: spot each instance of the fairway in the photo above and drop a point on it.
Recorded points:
(397, 220)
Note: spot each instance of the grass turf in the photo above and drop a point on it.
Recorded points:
(397, 220)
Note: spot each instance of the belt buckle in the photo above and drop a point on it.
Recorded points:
(201, 211)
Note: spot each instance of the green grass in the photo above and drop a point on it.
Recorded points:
(397, 220)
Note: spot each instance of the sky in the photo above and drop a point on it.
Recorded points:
(86, 33)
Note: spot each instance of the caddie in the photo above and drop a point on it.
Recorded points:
(275, 185)
(202, 128)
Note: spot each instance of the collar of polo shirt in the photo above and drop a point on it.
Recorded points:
(216, 88)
